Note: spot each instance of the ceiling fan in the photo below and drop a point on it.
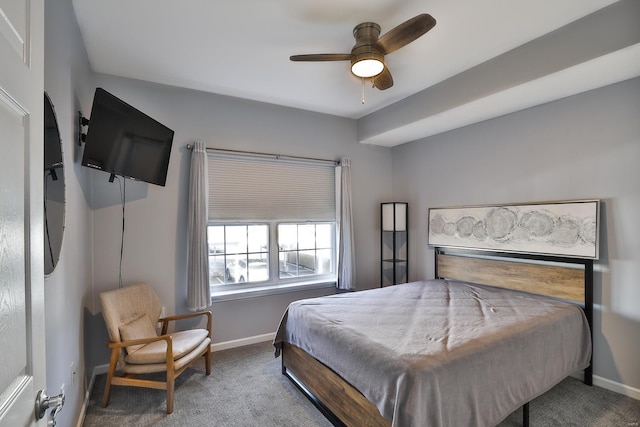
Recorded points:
(367, 55)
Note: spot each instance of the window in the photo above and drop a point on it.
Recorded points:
(238, 253)
(272, 222)
(305, 249)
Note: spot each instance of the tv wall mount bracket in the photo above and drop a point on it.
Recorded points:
(82, 122)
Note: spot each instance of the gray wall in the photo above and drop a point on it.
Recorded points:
(67, 80)
(582, 147)
(156, 217)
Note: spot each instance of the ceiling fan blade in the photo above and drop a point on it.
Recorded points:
(322, 57)
(405, 33)
(383, 80)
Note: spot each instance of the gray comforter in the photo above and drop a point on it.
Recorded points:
(442, 353)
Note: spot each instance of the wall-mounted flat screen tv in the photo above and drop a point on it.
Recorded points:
(122, 140)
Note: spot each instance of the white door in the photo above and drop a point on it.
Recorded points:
(22, 349)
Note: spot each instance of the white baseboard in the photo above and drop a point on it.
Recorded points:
(242, 342)
(610, 385)
(83, 410)
(87, 396)
(617, 387)
(100, 369)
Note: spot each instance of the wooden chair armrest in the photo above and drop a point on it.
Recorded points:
(165, 320)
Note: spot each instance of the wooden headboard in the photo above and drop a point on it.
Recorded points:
(550, 280)
(564, 278)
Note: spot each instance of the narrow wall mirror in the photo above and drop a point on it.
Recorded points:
(54, 197)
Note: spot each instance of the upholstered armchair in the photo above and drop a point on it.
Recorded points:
(131, 315)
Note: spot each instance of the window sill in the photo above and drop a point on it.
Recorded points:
(260, 291)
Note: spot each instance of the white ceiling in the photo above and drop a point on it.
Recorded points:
(241, 48)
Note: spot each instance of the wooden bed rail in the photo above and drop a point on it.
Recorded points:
(319, 383)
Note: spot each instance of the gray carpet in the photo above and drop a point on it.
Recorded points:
(246, 388)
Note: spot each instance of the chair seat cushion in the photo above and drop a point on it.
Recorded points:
(155, 352)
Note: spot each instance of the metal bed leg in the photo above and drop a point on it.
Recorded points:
(525, 415)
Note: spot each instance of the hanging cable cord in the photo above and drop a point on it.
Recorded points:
(123, 196)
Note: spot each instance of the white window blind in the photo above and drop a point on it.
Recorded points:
(247, 188)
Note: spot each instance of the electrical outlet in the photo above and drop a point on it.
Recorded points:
(73, 373)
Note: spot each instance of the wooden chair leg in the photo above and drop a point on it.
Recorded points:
(170, 388)
(113, 364)
(207, 361)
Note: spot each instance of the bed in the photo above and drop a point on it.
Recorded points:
(503, 334)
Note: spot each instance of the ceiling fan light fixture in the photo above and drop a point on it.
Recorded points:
(367, 68)
(367, 64)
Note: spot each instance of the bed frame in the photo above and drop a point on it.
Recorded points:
(565, 278)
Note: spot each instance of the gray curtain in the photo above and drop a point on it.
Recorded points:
(346, 254)
(198, 296)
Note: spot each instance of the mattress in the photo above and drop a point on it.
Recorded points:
(442, 353)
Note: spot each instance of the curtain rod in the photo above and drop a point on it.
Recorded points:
(276, 156)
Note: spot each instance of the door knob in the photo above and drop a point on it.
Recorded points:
(44, 402)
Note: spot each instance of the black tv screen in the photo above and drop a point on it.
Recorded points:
(122, 140)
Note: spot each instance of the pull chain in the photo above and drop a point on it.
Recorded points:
(363, 99)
